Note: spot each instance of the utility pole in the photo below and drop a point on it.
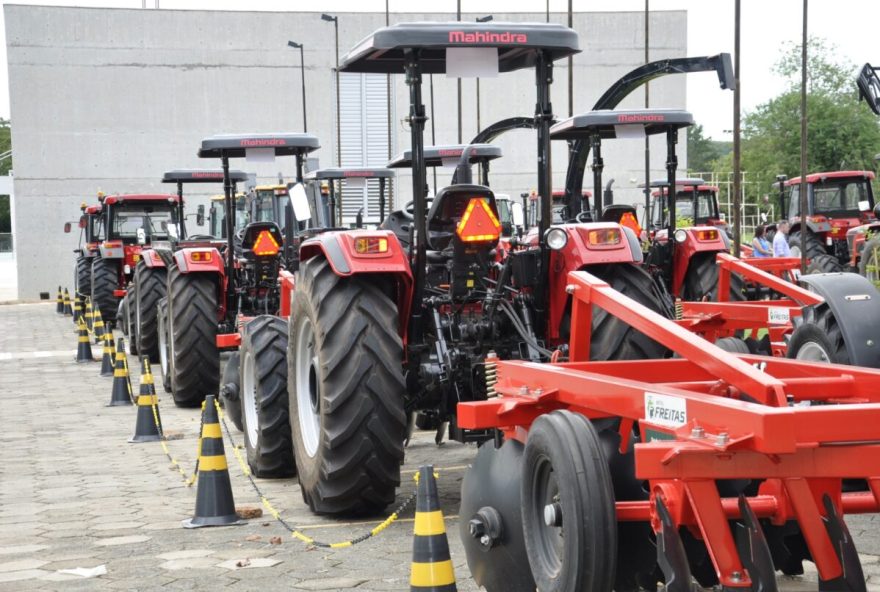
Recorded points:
(737, 154)
(335, 20)
(647, 140)
(803, 192)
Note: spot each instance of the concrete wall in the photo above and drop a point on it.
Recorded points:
(110, 98)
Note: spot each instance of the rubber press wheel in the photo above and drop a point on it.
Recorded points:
(869, 264)
(263, 397)
(192, 318)
(346, 387)
(151, 286)
(568, 510)
(818, 338)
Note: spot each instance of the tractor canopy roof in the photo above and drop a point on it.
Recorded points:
(201, 176)
(436, 156)
(351, 173)
(821, 177)
(517, 45)
(140, 198)
(237, 145)
(92, 210)
(681, 184)
(610, 124)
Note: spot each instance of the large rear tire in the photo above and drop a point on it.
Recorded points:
(263, 397)
(869, 263)
(151, 285)
(613, 339)
(192, 317)
(701, 280)
(83, 276)
(347, 391)
(105, 279)
(568, 508)
(814, 245)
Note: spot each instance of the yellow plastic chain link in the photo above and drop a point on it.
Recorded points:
(245, 469)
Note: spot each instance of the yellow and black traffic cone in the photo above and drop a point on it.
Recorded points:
(68, 311)
(431, 569)
(83, 348)
(89, 314)
(59, 302)
(121, 393)
(214, 503)
(149, 425)
(98, 326)
(78, 310)
(107, 363)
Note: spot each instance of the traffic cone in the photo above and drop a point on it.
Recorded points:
(431, 569)
(83, 348)
(89, 315)
(214, 503)
(77, 310)
(68, 311)
(149, 425)
(59, 302)
(121, 393)
(98, 326)
(107, 364)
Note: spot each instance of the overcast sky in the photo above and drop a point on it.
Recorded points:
(851, 25)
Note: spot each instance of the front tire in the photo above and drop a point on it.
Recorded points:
(347, 391)
(824, 264)
(263, 398)
(83, 276)
(150, 288)
(818, 338)
(192, 317)
(568, 508)
(701, 280)
(105, 279)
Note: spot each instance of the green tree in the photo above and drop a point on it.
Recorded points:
(841, 133)
(5, 145)
(703, 151)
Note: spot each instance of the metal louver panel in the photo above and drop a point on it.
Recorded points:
(364, 134)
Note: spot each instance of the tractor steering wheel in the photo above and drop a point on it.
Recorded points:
(584, 217)
(409, 208)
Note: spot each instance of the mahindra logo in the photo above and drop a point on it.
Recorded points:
(207, 175)
(262, 142)
(358, 173)
(450, 153)
(640, 118)
(479, 37)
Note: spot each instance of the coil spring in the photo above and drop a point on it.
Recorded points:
(491, 375)
(679, 309)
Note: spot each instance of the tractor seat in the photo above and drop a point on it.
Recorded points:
(447, 210)
(614, 212)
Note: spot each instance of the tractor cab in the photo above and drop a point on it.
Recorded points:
(683, 266)
(217, 215)
(696, 204)
(326, 188)
(181, 177)
(91, 229)
(401, 221)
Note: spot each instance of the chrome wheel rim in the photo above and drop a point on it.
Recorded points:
(813, 352)
(249, 399)
(307, 391)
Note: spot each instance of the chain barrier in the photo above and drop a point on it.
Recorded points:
(297, 534)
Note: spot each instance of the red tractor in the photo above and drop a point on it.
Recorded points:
(840, 214)
(211, 290)
(127, 224)
(89, 238)
(695, 201)
(325, 197)
(148, 287)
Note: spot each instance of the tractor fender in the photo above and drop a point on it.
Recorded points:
(152, 259)
(287, 282)
(200, 261)
(339, 250)
(581, 250)
(855, 303)
(692, 245)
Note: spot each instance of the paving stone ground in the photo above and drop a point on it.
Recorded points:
(75, 494)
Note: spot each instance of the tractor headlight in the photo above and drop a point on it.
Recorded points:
(556, 238)
(680, 235)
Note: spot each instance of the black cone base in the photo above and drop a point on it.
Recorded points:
(106, 366)
(145, 429)
(119, 396)
(84, 353)
(214, 503)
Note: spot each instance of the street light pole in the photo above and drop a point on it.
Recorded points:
(482, 19)
(302, 67)
(335, 20)
(458, 80)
